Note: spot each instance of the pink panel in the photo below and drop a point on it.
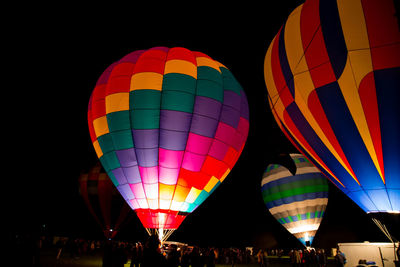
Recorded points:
(137, 190)
(225, 133)
(170, 158)
(218, 150)
(198, 144)
(151, 191)
(193, 162)
(149, 174)
(168, 176)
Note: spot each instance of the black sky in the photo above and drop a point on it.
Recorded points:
(55, 59)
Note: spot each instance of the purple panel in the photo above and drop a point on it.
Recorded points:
(207, 107)
(175, 120)
(230, 116)
(244, 109)
(204, 126)
(145, 138)
(147, 157)
(173, 140)
(232, 99)
(126, 191)
(127, 157)
(120, 176)
(132, 174)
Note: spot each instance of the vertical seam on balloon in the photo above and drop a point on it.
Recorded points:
(133, 140)
(184, 152)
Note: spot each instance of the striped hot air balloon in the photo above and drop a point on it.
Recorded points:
(333, 79)
(297, 201)
(168, 125)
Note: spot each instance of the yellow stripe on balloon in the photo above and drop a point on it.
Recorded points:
(293, 44)
(180, 66)
(117, 102)
(205, 61)
(97, 148)
(146, 80)
(193, 194)
(350, 93)
(100, 126)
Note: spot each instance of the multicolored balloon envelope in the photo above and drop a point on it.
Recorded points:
(333, 78)
(168, 125)
(103, 201)
(297, 201)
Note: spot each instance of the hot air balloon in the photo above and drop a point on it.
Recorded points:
(168, 125)
(296, 200)
(103, 201)
(333, 78)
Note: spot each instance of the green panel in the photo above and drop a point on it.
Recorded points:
(118, 121)
(295, 191)
(203, 196)
(308, 215)
(295, 184)
(290, 219)
(110, 162)
(106, 143)
(145, 119)
(210, 89)
(299, 217)
(208, 73)
(122, 139)
(144, 99)
(230, 82)
(179, 82)
(179, 101)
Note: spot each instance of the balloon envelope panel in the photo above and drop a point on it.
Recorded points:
(168, 125)
(333, 78)
(298, 202)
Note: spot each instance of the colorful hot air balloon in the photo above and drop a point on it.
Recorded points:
(333, 78)
(168, 125)
(103, 200)
(297, 201)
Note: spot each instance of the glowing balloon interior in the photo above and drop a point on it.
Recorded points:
(298, 202)
(168, 125)
(333, 78)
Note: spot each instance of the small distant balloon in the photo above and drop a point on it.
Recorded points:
(297, 201)
(103, 201)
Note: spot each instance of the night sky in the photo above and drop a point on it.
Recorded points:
(55, 59)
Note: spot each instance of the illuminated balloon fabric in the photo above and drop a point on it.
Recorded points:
(168, 125)
(103, 200)
(333, 78)
(297, 201)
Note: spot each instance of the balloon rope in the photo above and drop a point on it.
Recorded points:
(383, 228)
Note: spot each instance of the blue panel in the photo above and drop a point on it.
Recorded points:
(388, 94)
(394, 196)
(318, 146)
(333, 35)
(380, 199)
(345, 190)
(347, 134)
(362, 200)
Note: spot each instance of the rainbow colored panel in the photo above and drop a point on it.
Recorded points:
(168, 125)
(298, 201)
(333, 78)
